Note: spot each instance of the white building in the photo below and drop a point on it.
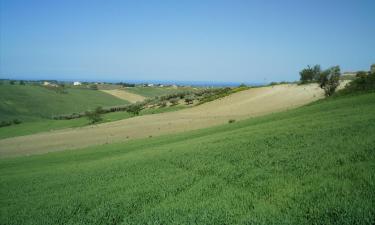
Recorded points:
(46, 83)
(76, 83)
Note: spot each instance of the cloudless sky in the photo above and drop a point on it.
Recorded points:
(232, 40)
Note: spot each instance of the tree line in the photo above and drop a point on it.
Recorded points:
(328, 79)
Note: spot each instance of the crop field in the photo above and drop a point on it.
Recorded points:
(311, 165)
(150, 92)
(123, 94)
(45, 125)
(28, 103)
(237, 106)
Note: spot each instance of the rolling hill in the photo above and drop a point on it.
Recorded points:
(241, 105)
(311, 165)
(27, 102)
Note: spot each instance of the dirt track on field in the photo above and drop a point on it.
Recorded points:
(241, 105)
(133, 98)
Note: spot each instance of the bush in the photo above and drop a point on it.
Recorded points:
(93, 87)
(134, 108)
(174, 101)
(363, 82)
(310, 74)
(94, 116)
(189, 99)
(162, 104)
(5, 123)
(329, 80)
(16, 121)
(231, 121)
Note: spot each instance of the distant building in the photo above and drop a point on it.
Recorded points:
(150, 85)
(76, 83)
(46, 83)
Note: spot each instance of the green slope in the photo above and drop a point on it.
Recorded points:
(312, 165)
(34, 102)
(150, 92)
(34, 127)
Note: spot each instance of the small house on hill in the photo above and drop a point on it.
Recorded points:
(77, 83)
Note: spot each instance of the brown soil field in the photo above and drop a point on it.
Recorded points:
(125, 95)
(245, 104)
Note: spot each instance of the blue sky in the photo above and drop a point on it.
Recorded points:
(232, 40)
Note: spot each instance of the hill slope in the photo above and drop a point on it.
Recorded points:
(35, 102)
(122, 94)
(150, 92)
(311, 165)
(241, 105)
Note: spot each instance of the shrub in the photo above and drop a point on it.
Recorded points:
(174, 101)
(329, 80)
(363, 82)
(93, 87)
(5, 123)
(231, 121)
(135, 108)
(189, 99)
(162, 104)
(372, 69)
(310, 74)
(94, 116)
(16, 121)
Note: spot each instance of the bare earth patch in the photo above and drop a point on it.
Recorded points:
(125, 95)
(238, 106)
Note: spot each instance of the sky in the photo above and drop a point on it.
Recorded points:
(217, 41)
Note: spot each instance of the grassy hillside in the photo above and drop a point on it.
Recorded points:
(312, 165)
(33, 127)
(150, 92)
(31, 102)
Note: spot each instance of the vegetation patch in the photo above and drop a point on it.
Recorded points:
(312, 165)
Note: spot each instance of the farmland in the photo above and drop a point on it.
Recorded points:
(241, 105)
(150, 92)
(31, 103)
(311, 165)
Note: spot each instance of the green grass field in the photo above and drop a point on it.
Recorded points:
(29, 103)
(150, 92)
(312, 165)
(43, 125)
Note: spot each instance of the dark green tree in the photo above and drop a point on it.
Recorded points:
(94, 116)
(134, 108)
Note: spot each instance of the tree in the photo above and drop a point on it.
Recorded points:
(174, 101)
(329, 80)
(94, 116)
(372, 69)
(310, 74)
(12, 82)
(189, 99)
(22, 82)
(134, 108)
(316, 72)
(162, 104)
(93, 87)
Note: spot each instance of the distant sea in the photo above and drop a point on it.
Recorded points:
(165, 82)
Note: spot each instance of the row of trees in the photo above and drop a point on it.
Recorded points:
(328, 79)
